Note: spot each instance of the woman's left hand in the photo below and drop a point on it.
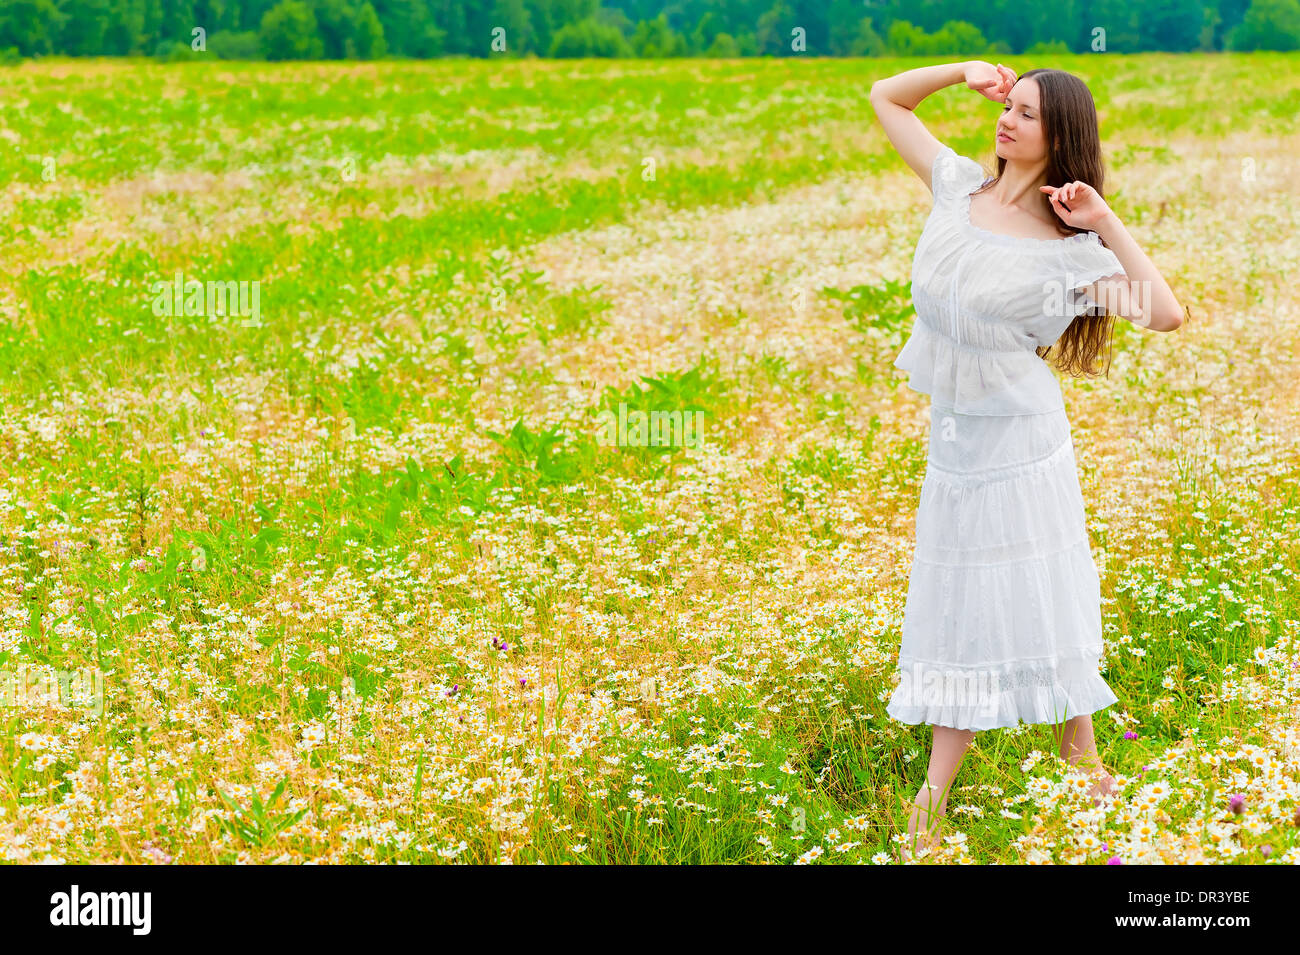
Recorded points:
(1086, 208)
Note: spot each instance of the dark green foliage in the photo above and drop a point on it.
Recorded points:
(31, 26)
(589, 38)
(291, 31)
(370, 29)
(1268, 25)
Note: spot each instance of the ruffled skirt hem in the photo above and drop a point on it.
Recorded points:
(980, 698)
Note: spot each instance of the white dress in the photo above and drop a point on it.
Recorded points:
(1003, 614)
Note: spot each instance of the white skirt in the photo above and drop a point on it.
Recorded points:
(1003, 614)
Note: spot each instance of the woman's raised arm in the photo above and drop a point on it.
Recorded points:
(895, 98)
(1141, 294)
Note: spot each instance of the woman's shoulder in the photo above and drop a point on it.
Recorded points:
(953, 174)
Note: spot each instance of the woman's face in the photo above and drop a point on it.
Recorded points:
(1019, 133)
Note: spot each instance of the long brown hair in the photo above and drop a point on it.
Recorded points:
(1069, 118)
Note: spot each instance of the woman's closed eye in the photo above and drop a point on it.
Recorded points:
(1024, 114)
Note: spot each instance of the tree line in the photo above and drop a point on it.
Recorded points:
(372, 29)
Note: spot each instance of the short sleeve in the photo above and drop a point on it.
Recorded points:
(953, 175)
(1087, 264)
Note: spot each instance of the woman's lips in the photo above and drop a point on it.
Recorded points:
(1004, 136)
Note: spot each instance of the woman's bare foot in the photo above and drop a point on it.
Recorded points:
(923, 826)
(1103, 784)
(912, 844)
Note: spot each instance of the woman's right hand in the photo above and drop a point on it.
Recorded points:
(993, 81)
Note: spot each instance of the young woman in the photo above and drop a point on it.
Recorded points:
(1003, 614)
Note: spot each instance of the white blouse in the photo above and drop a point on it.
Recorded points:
(984, 301)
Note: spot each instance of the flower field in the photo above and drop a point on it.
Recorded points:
(314, 547)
